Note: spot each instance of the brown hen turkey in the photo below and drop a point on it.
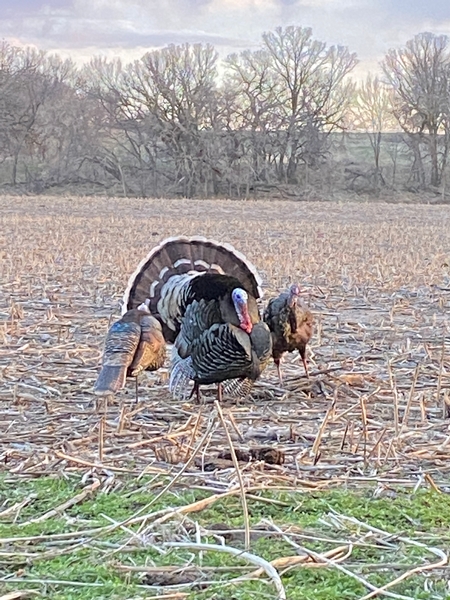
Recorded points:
(291, 326)
(204, 294)
(133, 344)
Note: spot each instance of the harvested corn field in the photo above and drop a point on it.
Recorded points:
(376, 278)
(374, 411)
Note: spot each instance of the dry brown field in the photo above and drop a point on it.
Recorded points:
(376, 277)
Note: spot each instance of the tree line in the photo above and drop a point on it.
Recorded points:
(180, 122)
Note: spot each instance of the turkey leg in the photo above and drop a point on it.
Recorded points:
(305, 364)
(277, 362)
(196, 391)
(219, 392)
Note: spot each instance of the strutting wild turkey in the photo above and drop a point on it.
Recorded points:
(133, 344)
(204, 294)
(290, 324)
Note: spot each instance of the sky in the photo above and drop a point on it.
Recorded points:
(127, 29)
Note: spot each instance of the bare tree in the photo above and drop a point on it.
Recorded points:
(38, 116)
(419, 74)
(160, 109)
(253, 101)
(127, 157)
(168, 124)
(24, 88)
(177, 87)
(286, 98)
(313, 91)
(69, 129)
(372, 112)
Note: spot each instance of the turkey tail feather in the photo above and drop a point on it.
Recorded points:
(181, 375)
(238, 388)
(110, 380)
(187, 256)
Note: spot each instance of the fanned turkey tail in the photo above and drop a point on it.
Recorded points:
(133, 344)
(110, 380)
(164, 275)
(121, 343)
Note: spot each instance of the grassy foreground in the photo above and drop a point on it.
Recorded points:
(76, 552)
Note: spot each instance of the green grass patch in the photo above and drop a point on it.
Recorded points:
(91, 565)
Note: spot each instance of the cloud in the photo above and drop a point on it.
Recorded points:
(417, 10)
(33, 5)
(128, 28)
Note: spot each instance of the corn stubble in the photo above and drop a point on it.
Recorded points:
(376, 277)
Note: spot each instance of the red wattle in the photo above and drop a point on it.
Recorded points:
(245, 322)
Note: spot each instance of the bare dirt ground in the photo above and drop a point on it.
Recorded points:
(376, 277)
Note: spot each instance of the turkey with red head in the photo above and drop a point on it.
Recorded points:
(204, 294)
(133, 344)
(290, 324)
